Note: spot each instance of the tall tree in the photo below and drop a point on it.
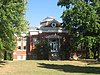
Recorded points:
(11, 22)
(82, 19)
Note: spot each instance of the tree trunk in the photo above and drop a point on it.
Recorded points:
(5, 55)
(87, 54)
(68, 51)
(94, 49)
(99, 54)
(94, 52)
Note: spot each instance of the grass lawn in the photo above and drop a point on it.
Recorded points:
(40, 67)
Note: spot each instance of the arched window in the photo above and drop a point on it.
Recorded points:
(34, 40)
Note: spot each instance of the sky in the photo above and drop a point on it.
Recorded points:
(37, 10)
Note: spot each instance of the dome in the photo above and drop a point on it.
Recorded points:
(49, 18)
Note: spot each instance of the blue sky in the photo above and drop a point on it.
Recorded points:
(37, 10)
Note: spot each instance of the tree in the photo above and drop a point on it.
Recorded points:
(82, 20)
(11, 22)
(43, 49)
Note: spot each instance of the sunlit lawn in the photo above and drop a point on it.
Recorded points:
(41, 67)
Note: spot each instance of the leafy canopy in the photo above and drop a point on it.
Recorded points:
(82, 20)
(11, 22)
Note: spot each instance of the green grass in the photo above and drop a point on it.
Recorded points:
(41, 67)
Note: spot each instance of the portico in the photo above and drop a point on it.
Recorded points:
(54, 42)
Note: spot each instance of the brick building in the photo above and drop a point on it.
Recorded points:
(49, 30)
(20, 51)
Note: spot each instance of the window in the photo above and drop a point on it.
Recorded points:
(24, 47)
(24, 57)
(18, 57)
(19, 47)
(24, 39)
(19, 39)
(53, 25)
(34, 40)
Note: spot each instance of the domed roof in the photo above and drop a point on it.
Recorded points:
(49, 18)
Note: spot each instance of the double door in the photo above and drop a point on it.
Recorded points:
(54, 49)
(54, 45)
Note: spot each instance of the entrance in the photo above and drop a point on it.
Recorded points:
(54, 46)
(54, 42)
(54, 49)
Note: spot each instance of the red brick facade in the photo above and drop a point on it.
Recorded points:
(49, 30)
(20, 51)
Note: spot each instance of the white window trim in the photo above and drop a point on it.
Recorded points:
(53, 25)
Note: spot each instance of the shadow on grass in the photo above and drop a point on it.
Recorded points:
(90, 61)
(2, 63)
(71, 68)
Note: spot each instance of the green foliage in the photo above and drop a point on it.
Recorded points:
(82, 20)
(65, 3)
(1, 54)
(1, 45)
(9, 56)
(11, 22)
(91, 54)
(43, 49)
